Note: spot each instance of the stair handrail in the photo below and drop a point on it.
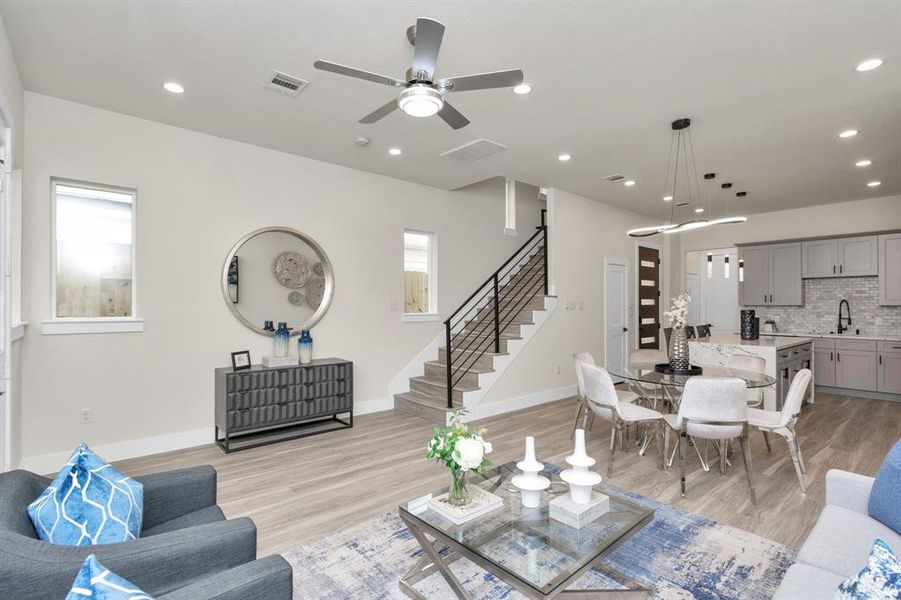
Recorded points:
(514, 304)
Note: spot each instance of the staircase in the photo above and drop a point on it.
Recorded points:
(478, 334)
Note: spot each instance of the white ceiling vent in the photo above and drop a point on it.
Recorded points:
(474, 151)
(289, 85)
(614, 177)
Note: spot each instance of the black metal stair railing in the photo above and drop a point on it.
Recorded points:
(476, 327)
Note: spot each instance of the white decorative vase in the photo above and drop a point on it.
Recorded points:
(530, 483)
(580, 479)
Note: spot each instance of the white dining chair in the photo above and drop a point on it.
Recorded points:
(648, 392)
(783, 422)
(712, 408)
(579, 359)
(617, 407)
(754, 364)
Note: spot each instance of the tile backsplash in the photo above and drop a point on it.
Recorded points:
(820, 310)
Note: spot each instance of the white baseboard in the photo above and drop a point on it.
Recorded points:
(489, 409)
(53, 462)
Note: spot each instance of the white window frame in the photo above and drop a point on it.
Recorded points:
(69, 325)
(432, 314)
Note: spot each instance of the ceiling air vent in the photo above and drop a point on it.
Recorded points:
(614, 177)
(289, 85)
(476, 150)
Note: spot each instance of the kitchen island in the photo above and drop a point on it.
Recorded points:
(784, 357)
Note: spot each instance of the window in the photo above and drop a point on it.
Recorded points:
(419, 273)
(93, 264)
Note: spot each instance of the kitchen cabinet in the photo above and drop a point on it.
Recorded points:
(856, 365)
(890, 269)
(790, 361)
(840, 257)
(889, 367)
(824, 365)
(772, 275)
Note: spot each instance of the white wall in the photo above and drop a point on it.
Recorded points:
(582, 233)
(197, 195)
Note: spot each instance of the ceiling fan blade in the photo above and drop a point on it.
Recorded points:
(425, 51)
(324, 65)
(452, 116)
(482, 81)
(380, 113)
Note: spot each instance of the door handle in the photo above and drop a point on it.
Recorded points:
(838, 356)
(625, 329)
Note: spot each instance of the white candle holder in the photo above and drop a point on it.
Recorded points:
(530, 483)
(580, 479)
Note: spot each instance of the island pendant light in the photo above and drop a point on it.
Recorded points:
(741, 271)
(709, 265)
(726, 266)
(688, 197)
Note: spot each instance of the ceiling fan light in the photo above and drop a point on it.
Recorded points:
(420, 101)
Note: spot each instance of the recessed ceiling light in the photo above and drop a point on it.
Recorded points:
(395, 151)
(564, 157)
(863, 163)
(848, 133)
(667, 198)
(874, 184)
(522, 89)
(699, 210)
(175, 88)
(629, 182)
(868, 65)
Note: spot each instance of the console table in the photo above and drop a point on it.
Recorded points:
(264, 405)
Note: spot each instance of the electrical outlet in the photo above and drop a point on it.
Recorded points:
(85, 415)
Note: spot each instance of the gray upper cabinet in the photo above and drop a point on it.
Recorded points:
(858, 256)
(819, 258)
(772, 275)
(840, 257)
(890, 269)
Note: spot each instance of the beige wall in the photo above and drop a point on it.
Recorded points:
(583, 232)
(197, 195)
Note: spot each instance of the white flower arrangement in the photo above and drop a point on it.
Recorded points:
(458, 447)
(678, 313)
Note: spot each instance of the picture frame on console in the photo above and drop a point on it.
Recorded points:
(241, 360)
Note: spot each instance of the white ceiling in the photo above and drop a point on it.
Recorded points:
(768, 86)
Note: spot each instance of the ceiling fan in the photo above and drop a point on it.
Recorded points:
(422, 95)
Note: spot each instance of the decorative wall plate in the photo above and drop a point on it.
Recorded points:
(315, 292)
(295, 298)
(292, 270)
(318, 270)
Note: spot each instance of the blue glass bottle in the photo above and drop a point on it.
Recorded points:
(305, 347)
(281, 339)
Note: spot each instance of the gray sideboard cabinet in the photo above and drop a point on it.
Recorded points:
(263, 405)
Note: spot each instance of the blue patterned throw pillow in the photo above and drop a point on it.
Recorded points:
(88, 502)
(96, 582)
(879, 580)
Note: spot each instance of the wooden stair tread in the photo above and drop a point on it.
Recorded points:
(458, 387)
(472, 369)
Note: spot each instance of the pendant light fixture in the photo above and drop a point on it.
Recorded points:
(685, 191)
(709, 265)
(726, 267)
(741, 271)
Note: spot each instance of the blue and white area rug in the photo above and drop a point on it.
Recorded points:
(679, 554)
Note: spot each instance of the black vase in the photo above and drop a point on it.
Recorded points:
(750, 325)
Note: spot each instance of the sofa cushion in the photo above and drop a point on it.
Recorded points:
(96, 582)
(885, 497)
(879, 580)
(88, 502)
(210, 514)
(803, 582)
(841, 541)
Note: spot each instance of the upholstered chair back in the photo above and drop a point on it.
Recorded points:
(795, 397)
(707, 400)
(18, 489)
(747, 362)
(599, 386)
(648, 356)
(579, 359)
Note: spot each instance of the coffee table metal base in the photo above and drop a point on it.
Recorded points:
(432, 562)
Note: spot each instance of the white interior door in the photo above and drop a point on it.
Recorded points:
(616, 314)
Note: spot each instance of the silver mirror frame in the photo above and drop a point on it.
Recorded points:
(327, 272)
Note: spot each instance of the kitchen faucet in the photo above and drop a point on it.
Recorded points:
(841, 327)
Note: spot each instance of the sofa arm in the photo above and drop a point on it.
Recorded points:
(848, 490)
(176, 493)
(269, 578)
(35, 570)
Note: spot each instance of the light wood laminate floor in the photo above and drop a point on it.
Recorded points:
(301, 490)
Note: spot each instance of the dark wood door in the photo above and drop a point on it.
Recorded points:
(648, 297)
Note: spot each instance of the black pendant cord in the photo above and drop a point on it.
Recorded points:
(674, 139)
(694, 165)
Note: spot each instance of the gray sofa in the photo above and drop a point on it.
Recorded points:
(187, 547)
(840, 542)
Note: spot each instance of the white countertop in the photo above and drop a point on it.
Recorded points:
(770, 341)
(844, 336)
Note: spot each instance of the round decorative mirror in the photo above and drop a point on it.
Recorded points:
(277, 274)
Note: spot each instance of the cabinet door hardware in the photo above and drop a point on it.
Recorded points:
(831, 357)
(838, 356)
(880, 359)
(840, 268)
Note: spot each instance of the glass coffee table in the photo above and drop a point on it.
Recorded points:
(523, 547)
